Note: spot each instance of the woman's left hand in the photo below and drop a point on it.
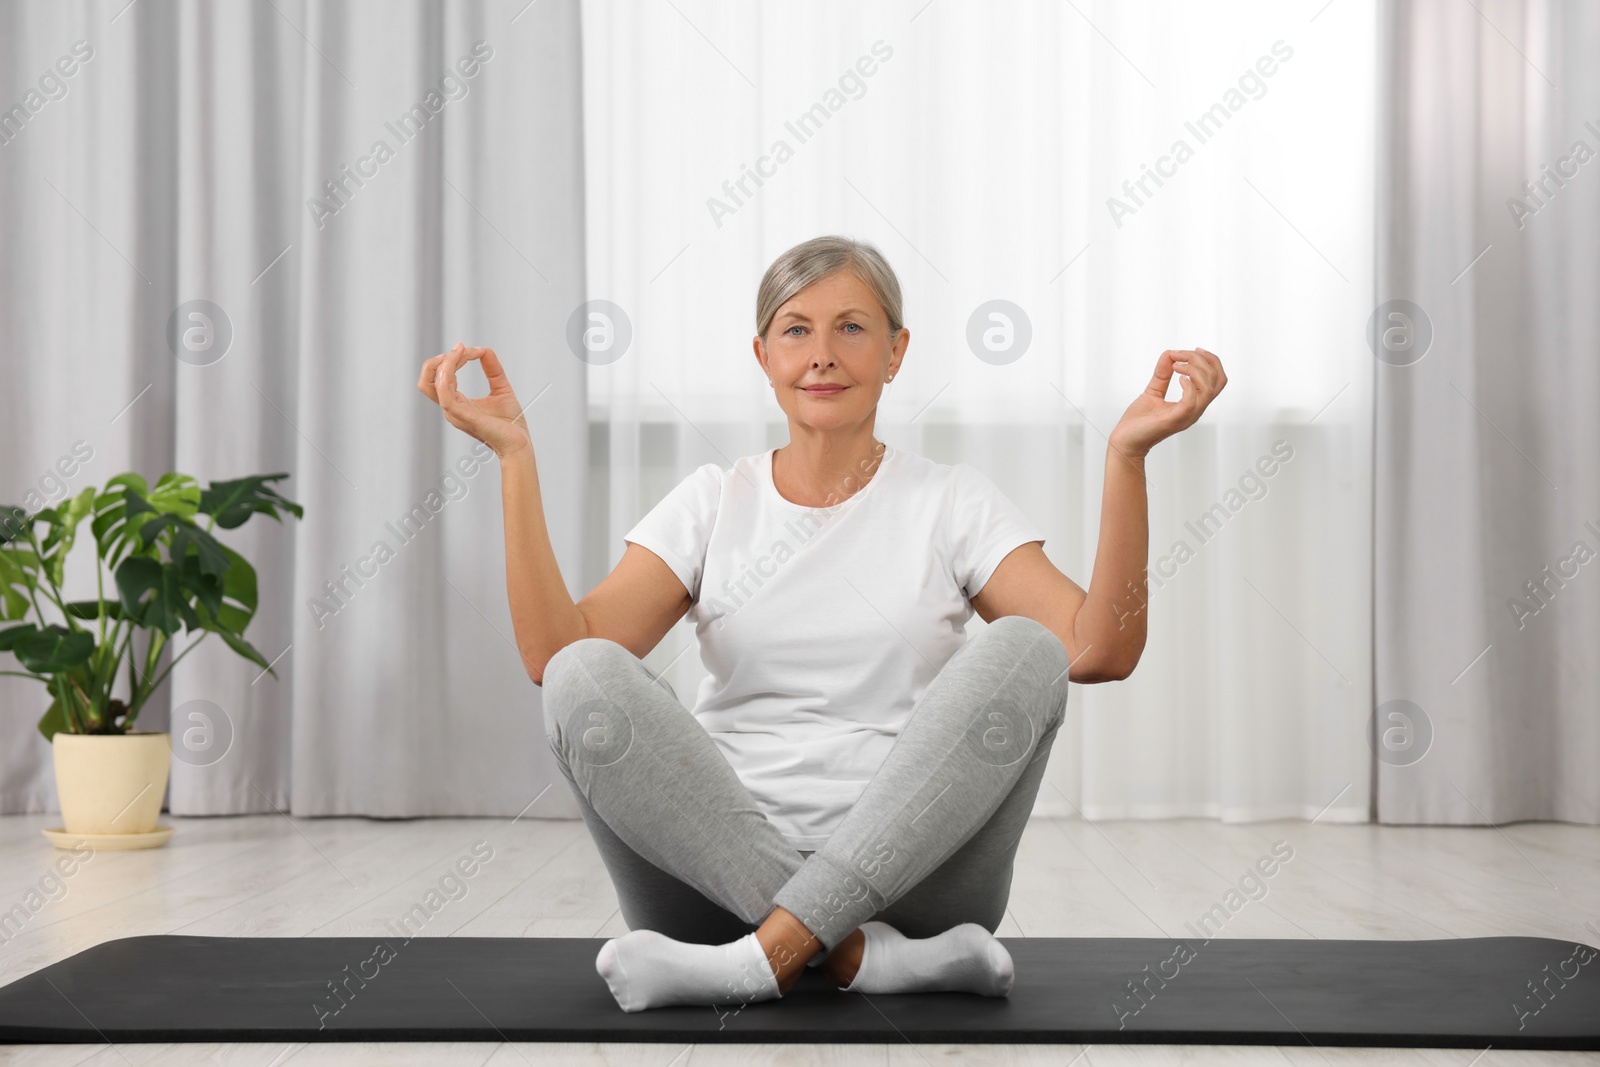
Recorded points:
(1152, 417)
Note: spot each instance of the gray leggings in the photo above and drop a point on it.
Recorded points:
(929, 845)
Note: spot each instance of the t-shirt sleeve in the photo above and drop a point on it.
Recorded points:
(678, 529)
(983, 527)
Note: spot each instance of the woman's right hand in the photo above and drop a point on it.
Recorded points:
(496, 419)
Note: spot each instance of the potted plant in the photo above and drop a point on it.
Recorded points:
(168, 574)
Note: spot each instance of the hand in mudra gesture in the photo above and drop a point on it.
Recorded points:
(496, 419)
(1152, 417)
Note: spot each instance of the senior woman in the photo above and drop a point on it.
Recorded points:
(852, 782)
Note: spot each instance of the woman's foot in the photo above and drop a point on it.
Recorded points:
(963, 959)
(645, 969)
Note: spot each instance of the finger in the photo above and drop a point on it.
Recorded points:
(1220, 378)
(425, 382)
(1191, 375)
(1186, 371)
(494, 370)
(1214, 365)
(1206, 373)
(1194, 393)
(500, 382)
(458, 408)
(1162, 379)
(444, 378)
(1190, 391)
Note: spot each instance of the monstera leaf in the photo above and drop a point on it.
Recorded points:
(14, 523)
(212, 558)
(19, 576)
(238, 605)
(63, 532)
(119, 511)
(231, 503)
(93, 609)
(154, 594)
(55, 720)
(47, 650)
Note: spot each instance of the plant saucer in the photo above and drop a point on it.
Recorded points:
(59, 837)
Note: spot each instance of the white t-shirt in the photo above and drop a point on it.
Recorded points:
(822, 627)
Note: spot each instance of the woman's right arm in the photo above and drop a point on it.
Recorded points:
(635, 605)
(542, 612)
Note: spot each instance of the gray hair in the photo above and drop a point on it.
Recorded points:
(815, 259)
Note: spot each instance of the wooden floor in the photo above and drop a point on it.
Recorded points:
(272, 876)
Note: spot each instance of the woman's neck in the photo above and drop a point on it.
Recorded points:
(818, 472)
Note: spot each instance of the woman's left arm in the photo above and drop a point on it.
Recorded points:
(1104, 628)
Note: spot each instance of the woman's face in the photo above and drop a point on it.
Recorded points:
(831, 333)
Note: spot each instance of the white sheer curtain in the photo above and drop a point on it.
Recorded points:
(1488, 502)
(181, 159)
(978, 146)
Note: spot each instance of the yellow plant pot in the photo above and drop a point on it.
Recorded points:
(111, 783)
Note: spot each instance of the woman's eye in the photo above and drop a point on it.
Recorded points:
(791, 330)
(852, 326)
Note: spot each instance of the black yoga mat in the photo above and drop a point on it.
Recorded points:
(1509, 992)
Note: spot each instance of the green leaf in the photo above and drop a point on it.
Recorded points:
(55, 720)
(209, 552)
(239, 599)
(152, 528)
(186, 536)
(21, 556)
(74, 715)
(230, 503)
(132, 480)
(64, 532)
(10, 636)
(245, 649)
(206, 588)
(239, 587)
(90, 609)
(176, 494)
(152, 593)
(19, 567)
(53, 649)
(13, 605)
(120, 510)
(14, 523)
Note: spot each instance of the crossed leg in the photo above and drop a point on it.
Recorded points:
(927, 847)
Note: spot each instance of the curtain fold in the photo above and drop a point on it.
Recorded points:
(1488, 489)
(1028, 153)
(350, 188)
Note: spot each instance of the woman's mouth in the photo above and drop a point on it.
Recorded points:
(825, 390)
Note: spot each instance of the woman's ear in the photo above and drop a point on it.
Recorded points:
(897, 350)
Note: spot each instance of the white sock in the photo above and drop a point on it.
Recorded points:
(963, 959)
(645, 969)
